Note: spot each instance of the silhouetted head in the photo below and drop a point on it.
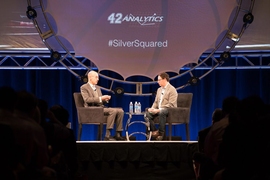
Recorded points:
(60, 113)
(27, 102)
(251, 108)
(217, 115)
(229, 104)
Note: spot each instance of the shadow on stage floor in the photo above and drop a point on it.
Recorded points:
(136, 159)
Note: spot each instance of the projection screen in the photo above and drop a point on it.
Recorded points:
(130, 37)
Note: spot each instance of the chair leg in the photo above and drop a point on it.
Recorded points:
(187, 132)
(170, 131)
(100, 129)
(79, 132)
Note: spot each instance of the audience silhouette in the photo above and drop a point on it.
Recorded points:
(199, 157)
(240, 142)
(206, 161)
(60, 139)
(9, 151)
(216, 116)
(244, 151)
(29, 157)
(68, 145)
(35, 142)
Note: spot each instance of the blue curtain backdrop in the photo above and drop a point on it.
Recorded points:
(57, 87)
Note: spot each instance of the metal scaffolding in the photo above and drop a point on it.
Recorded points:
(43, 61)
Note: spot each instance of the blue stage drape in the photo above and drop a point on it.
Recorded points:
(57, 87)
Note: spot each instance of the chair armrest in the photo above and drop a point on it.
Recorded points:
(178, 115)
(90, 114)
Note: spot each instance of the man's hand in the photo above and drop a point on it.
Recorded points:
(105, 98)
(153, 110)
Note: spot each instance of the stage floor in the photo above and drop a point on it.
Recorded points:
(136, 159)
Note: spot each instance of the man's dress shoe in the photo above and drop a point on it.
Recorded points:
(158, 135)
(110, 138)
(155, 134)
(159, 138)
(119, 138)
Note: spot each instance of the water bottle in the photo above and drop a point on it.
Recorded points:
(131, 107)
(139, 108)
(136, 107)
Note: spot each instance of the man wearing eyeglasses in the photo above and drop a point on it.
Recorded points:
(166, 97)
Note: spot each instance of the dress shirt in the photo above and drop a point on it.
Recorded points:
(161, 96)
(95, 91)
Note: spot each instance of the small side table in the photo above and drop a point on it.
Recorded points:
(147, 124)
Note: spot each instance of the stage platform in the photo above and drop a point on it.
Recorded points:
(136, 160)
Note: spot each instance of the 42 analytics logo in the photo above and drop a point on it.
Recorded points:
(119, 18)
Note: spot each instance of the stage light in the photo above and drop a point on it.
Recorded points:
(56, 56)
(248, 18)
(31, 13)
(225, 56)
(193, 81)
(84, 79)
(119, 91)
(233, 37)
